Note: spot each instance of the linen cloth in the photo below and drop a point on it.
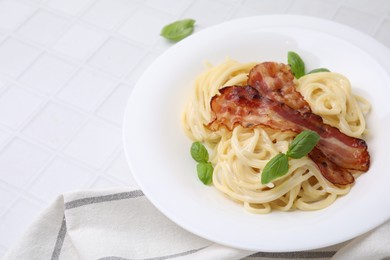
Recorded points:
(121, 224)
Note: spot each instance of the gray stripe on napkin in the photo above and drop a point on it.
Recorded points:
(92, 200)
(296, 255)
(156, 258)
(86, 201)
(60, 241)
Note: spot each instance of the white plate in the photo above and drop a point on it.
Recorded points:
(158, 151)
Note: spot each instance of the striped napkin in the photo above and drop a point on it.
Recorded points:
(122, 224)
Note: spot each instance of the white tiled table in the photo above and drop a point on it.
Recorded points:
(67, 68)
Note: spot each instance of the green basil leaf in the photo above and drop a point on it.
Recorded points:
(199, 153)
(205, 172)
(303, 144)
(178, 30)
(296, 63)
(276, 167)
(318, 70)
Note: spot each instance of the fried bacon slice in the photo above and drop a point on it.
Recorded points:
(275, 81)
(330, 170)
(245, 106)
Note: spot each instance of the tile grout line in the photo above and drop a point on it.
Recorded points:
(374, 31)
(340, 4)
(236, 6)
(378, 26)
(288, 6)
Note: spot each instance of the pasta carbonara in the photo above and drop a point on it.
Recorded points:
(238, 156)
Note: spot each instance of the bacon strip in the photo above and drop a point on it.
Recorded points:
(330, 170)
(246, 107)
(275, 81)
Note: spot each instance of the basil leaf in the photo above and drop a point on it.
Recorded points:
(199, 153)
(205, 172)
(276, 167)
(178, 30)
(303, 144)
(318, 70)
(296, 63)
